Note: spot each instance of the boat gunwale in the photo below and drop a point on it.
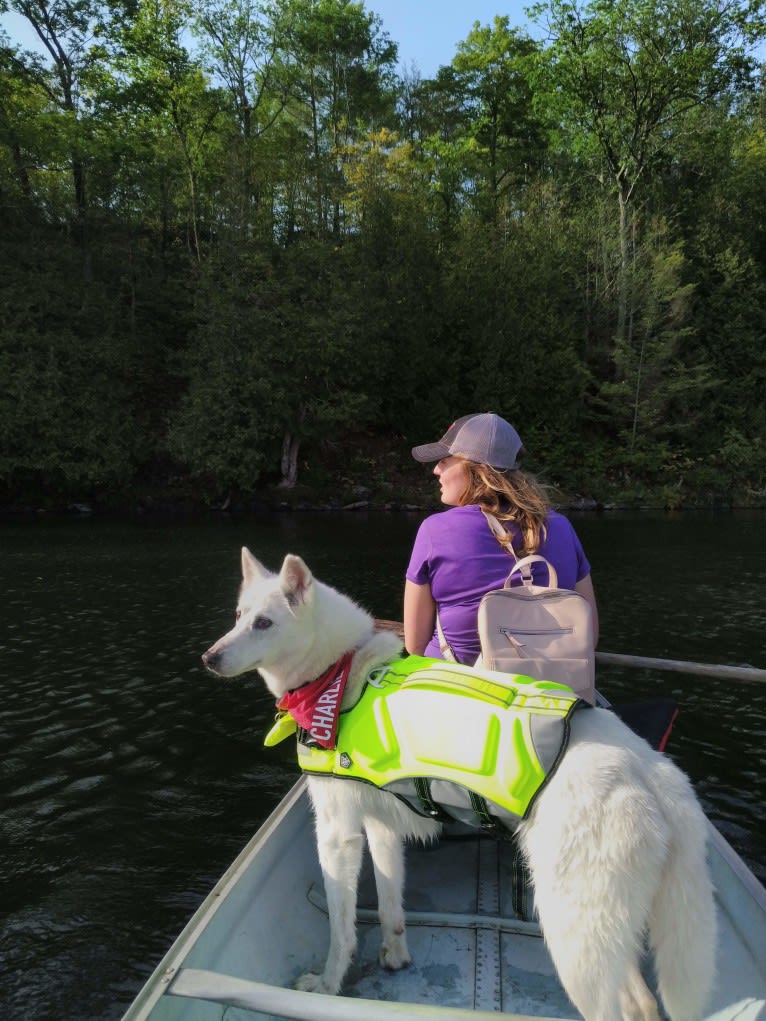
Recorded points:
(738, 866)
(157, 983)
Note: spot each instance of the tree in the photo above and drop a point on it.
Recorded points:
(341, 74)
(65, 34)
(161, 80)
(491, 68)
(434, 118)
(278, 361)
(653, 376)
(396, 284)
(66, 422)
(23, 104)
(509, 299)
(626, 74)
(242, 47)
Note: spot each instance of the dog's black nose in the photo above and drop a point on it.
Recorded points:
(210, 659)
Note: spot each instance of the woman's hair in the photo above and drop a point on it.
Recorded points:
(511, 496)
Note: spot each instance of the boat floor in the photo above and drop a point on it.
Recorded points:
(471, 954)
(469, 950)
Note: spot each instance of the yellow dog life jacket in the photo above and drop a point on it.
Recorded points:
(451, 741)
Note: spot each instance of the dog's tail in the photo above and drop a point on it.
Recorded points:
(682, 925)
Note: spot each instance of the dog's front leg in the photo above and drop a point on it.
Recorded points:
(387, 852)
(341, 861)
(340, 847)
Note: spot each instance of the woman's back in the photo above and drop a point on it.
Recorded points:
(457, 554)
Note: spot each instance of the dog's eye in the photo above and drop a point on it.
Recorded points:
(261, 623)
(237, 615)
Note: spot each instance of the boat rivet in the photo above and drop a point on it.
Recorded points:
(345, 761)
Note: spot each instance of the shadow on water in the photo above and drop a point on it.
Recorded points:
(130, 778)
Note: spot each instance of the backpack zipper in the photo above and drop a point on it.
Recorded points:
(509, 632)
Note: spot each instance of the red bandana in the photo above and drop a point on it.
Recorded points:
(315, 706)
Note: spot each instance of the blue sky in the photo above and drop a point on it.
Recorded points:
(427, 31)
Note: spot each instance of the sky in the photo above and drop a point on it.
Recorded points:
(426, 31)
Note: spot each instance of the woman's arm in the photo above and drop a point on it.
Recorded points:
(585, 587)
(419, 617)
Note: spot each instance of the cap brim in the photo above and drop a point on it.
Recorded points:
(430, 452)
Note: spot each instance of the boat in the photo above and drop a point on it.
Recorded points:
(477, 949)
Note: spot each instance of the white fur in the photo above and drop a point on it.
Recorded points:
(615, 842)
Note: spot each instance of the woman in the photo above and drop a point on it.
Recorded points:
(456, 558)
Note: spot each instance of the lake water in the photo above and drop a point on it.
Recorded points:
(130, 778)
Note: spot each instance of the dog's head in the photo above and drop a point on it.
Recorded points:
(273, 622)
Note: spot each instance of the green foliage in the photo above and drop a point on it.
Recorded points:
(656, 391)
(278, 352)
(628, 72)
(523, 353)
(235, 243)
(65, 397)
(492, 77)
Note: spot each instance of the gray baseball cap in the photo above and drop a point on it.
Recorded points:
(485, 438)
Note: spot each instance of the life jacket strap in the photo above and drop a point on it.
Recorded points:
(486, 820)
(430, 807)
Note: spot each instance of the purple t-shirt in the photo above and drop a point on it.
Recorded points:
(457, 554)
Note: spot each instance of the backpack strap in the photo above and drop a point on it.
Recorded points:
(502, 534)
(444, 645)
(524, 565)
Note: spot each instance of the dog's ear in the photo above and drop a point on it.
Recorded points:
(296, 580)
(252, 569)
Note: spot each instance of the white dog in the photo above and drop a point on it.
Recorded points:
(615, 841)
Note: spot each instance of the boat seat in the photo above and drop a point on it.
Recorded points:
(229, 991)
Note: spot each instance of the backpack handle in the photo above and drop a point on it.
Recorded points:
(526, 562)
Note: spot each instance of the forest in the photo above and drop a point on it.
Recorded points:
(242, 249)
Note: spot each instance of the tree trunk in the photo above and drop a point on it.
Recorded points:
(289, 465)
(622, 291)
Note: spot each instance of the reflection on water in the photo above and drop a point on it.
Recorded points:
(130, 778)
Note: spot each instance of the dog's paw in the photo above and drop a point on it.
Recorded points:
(394, 954)
(311, 983)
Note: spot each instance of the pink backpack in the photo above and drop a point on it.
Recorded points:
(542, 631)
